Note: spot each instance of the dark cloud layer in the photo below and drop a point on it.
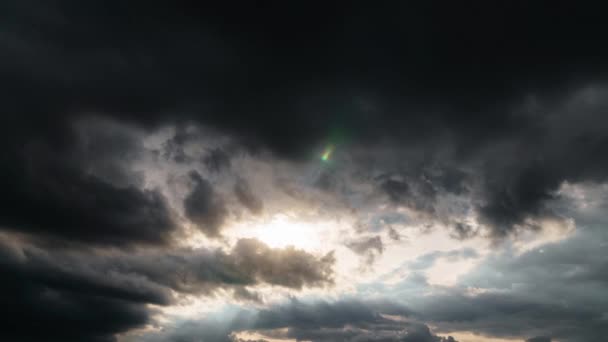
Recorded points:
(204, 206)
(499, 104)
(478, 86)
(80, 296)
(81, 192)
(46, 298)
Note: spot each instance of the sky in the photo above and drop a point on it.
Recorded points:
(421, 171)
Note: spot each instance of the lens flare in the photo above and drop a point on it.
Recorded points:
(327, 153)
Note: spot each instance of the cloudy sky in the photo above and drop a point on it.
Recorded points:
(297, 171)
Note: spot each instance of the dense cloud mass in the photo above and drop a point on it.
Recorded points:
(81, 192)
(60, 289)
(275, 156)
(481, 99)
(58, 299)
(205, 208)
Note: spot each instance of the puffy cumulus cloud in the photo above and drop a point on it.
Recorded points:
(323, 321)
(88, 296)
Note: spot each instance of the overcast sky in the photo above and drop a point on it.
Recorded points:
(172, 171)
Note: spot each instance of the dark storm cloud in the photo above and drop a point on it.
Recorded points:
(174, 147)
(89, 296)
(396, 190)
(249, 263)
(47, 298)
(205, 207)
(430, 78)
(83, 192)
(418, 195)
(216, 160)
(497, 103)
(86, 209)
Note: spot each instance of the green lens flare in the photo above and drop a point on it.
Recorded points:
(327, 153)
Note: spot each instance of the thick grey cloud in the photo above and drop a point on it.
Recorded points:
(471, 117)
(205, 207)
(418, 195)
(248, 263)
(216, 160)
(479, 113)
(83, 192)
(46, 297)
(104, 294)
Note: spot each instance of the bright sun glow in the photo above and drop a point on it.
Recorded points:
(281, 231)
